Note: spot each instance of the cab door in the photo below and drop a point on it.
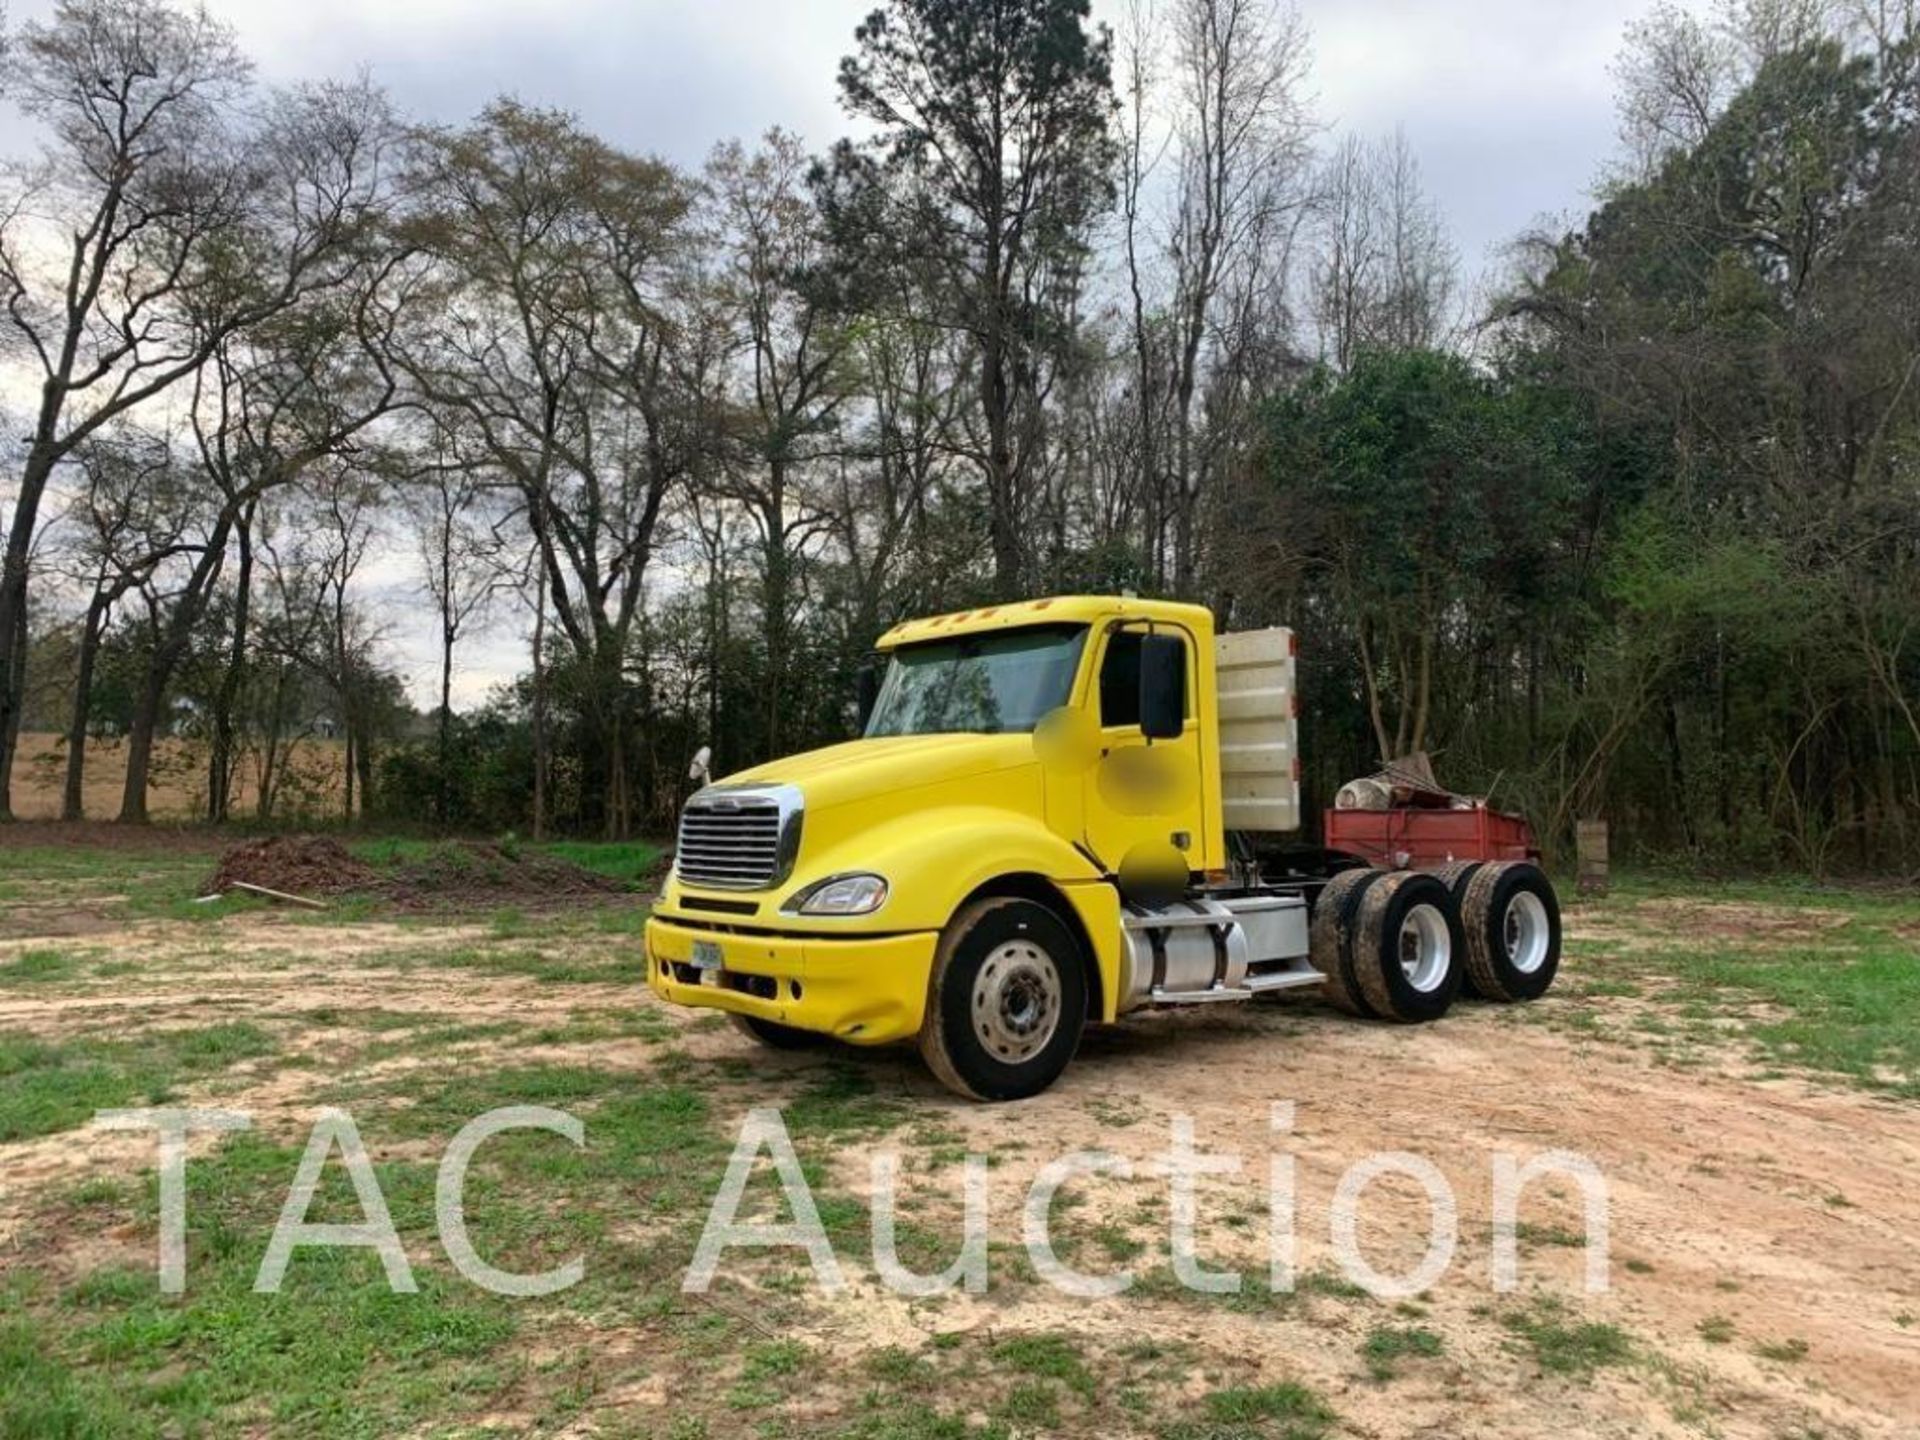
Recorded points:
(1144, 797)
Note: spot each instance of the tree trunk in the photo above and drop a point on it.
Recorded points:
(777, 600)
(1003, 524)
(540, 757)
(363, 761)
(1677, 775)
(146, 720)
(617, 826)
(73, 800)
(15, 682)
(1184, 490)
(272, 752)
(13, 606)
(220, 764)
(170, 647)
(445, 741)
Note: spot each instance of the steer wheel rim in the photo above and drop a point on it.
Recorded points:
(1016, 1001)
(1426, 948)
(1527, 934)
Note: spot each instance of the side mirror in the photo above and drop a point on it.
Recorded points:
(867, 690)
(1163, 687)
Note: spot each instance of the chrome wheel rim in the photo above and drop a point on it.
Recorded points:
(1016, 1001)
(1527, 933)
(1426, 948)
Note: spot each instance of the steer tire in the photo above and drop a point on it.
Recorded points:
(776, 1036)
(1330, 943)
(1512, 922)
(1408, 948)
(1455, 877)
(1002, 963)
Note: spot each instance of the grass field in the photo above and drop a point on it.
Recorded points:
(1741, 1063)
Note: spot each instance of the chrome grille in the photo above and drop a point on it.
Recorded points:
(740, 839)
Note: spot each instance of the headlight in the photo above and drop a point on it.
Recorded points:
(840, 895)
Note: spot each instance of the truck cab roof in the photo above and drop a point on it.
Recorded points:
(1055, 610)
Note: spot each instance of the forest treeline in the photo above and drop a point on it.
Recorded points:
(1629, 528)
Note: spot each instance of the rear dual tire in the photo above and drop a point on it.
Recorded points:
(1389, 944)
(1402, 945)
(1512, 923)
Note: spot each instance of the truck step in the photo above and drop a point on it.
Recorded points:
(1212, 996)
(1283, 980)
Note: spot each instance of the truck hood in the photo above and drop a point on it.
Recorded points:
(840, 774)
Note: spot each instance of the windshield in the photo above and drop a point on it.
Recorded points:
(987, 684)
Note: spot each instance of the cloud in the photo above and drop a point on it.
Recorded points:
(1508, 103)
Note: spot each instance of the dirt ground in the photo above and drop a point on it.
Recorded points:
(1763, 1261)
(178, 788)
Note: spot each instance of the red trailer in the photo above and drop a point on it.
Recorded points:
(1415, 837)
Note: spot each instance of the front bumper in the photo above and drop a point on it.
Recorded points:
(867, 990)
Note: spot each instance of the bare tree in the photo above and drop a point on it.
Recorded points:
(557, 361)
(1242, 146)
(458, 535)
(1674, 77)
(1385, 271)
(275, 398)
(129, 518)
(788, 377)
(133, 249)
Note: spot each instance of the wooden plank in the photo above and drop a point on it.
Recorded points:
(279, 895)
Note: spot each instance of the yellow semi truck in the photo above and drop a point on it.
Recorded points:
(1050, 822)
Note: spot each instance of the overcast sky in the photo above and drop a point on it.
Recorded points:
(1506, 102)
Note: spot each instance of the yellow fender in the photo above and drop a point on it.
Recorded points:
(936, 858)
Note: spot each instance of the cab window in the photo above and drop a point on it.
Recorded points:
(1120, 680)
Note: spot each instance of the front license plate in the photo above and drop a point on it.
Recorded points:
(707, 955)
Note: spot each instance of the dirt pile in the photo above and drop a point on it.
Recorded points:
(309, 865)
(465, 872)
(454, 874)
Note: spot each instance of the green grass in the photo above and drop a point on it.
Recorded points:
(101, 1354)
(1387, 1345)
(1874, 903)
(335, 1353)
(1054, 1357)
(1717, 1330)
(1286, 1411)
(1032, 1405)
(34, 967)
(47, 1086)
(623, 860)
(1844, 1000)
(602, 965)
(1856, 1014)
(142, 882)
(1561, 1345)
